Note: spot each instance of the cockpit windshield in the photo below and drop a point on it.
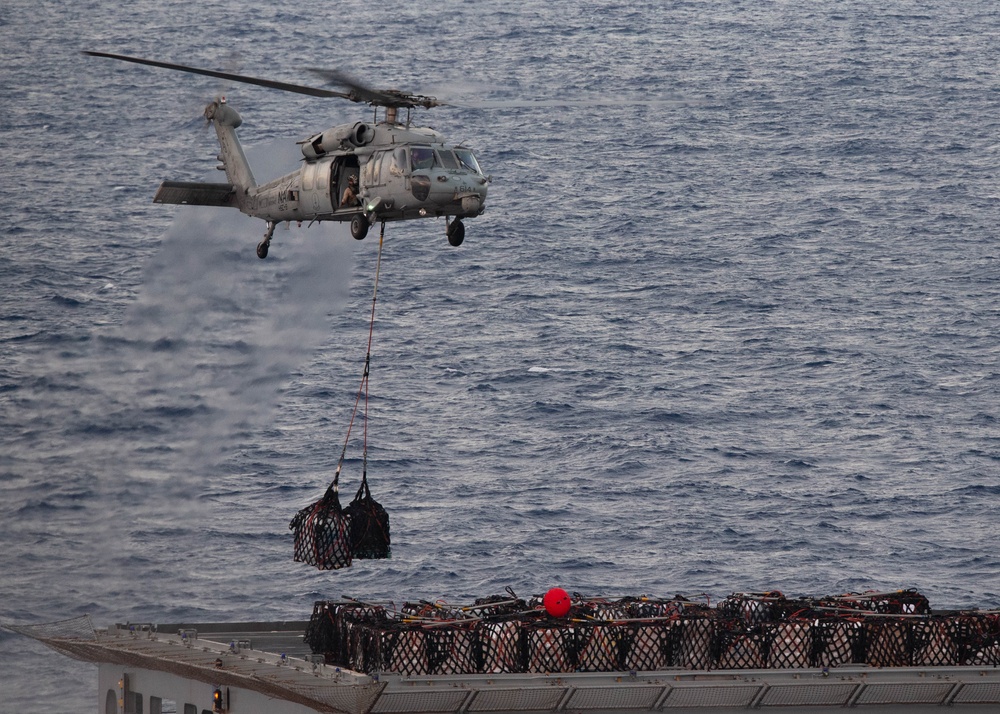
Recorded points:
(447, 159)
(467, 159)
(421, 157)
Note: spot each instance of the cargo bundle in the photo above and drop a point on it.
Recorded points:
(745, 631)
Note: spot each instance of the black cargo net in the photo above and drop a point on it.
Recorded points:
(369, 525)
(502, 634)
(326, 535)
(322, 533)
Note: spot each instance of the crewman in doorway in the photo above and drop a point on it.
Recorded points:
(350, 197)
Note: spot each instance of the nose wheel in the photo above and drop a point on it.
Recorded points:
(266, 243)
(456, 232)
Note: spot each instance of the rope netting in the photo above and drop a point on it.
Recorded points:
(74, 628)
(326, 535)
(369, 525)
(322, 533)
(745, 631)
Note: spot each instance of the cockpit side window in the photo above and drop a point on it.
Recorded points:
(398, 167)
(468, 160)
(421, 157)
(369, 174)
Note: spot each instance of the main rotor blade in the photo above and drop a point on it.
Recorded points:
(381, 97)
(270, 83)
(360, 91)
(571, 103)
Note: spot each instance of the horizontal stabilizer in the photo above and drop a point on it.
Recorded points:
(195, 194)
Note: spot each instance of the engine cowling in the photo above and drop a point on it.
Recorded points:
(337, 139)
(362, 134)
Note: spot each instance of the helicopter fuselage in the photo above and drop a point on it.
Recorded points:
(399, 173)
(360, 172)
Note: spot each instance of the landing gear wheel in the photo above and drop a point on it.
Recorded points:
(456, 232)
(359, 226)
(266, 243)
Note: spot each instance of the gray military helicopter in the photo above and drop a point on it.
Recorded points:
(360, 173)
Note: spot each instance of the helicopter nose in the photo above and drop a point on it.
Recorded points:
(450, 191)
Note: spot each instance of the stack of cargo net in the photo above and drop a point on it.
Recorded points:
(744, 631)
(330, 537)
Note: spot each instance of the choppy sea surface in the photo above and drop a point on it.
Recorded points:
(729, 323)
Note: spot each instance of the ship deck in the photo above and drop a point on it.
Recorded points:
(271, 660)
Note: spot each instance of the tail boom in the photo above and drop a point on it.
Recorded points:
(234, 161)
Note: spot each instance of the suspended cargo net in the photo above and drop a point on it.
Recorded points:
(322, 533)
(745, 631)
(369, 525)
(326, 535)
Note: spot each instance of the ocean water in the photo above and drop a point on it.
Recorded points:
(729, 322)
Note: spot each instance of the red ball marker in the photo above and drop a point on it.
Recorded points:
(556, 602)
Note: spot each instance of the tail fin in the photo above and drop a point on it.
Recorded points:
(234, 161)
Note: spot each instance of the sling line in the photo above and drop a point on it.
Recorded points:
(363, 387)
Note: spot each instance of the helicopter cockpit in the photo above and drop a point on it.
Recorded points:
(421, 157)
(458, 159)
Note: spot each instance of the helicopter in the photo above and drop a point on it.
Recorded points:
(361, 173)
